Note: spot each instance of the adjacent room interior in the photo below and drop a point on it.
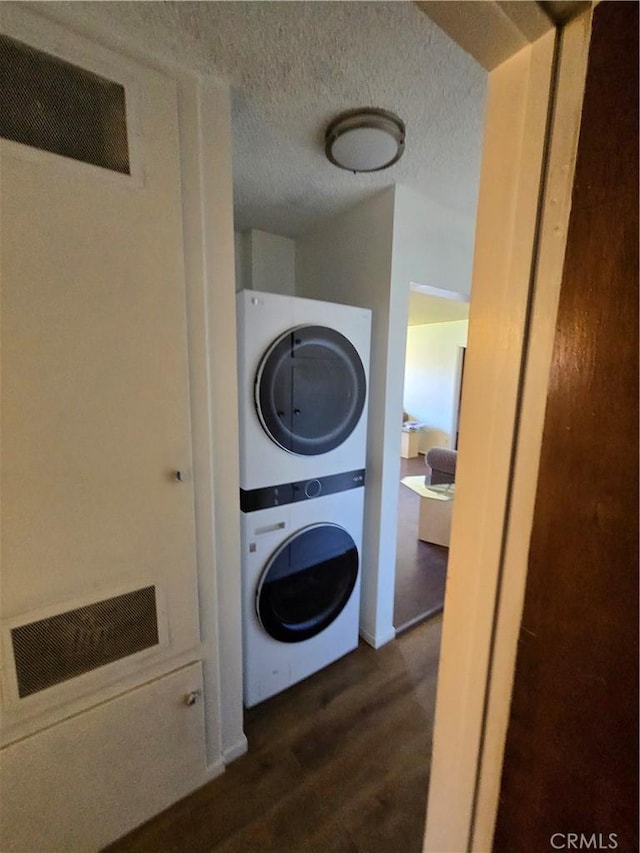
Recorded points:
(434, 367)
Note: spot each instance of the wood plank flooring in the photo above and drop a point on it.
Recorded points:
(421, 568)
(336, 764)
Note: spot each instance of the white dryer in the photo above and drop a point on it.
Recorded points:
(300, 588)
(303, 374)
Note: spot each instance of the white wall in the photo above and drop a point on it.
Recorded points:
(265, 262)
(431, 378)
(432, 243)
(349, 261)
(368, 256)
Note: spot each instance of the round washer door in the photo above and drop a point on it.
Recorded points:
(307, 582)
(310, 390)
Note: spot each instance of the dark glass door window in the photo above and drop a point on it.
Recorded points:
(307, 583)
(310, 390)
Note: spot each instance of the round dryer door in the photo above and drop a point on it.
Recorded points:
(307, 582)
(310, 390)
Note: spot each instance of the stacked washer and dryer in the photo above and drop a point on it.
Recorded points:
(303, 377)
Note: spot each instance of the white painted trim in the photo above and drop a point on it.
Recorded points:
(516, 122)
(191, 155)
(205, 124)
(377, 642)
(220, 319)
(235, 750)
(491, 31)
(214, 770)
(572, 66)
(440, 292)
(481, 626)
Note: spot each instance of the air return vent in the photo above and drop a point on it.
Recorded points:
(55, 106)
(66, 645)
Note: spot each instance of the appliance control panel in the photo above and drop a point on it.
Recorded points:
(303, 490)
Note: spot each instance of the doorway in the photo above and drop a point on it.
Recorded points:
(436, 336)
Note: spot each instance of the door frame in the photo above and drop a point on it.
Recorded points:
(532, 122)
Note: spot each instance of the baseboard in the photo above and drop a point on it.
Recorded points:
(235, 751)
(214, 770)
(378, 642)
(418, 620)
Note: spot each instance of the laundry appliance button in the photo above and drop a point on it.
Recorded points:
(313, 488)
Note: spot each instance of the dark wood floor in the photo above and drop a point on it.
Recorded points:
(421, 568)
(336, 764)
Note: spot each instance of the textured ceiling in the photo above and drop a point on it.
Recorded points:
(292, 66)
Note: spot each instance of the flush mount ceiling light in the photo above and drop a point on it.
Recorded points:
(365, 140)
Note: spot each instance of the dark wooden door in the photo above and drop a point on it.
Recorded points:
(571, 761)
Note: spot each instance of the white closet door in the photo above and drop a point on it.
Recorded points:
(88, 780)
(95, 396)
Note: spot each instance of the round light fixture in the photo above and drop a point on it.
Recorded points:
(365, 140)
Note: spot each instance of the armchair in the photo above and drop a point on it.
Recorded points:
(442, 462)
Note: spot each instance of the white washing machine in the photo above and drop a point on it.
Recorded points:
(303, 374)
(300, 587)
